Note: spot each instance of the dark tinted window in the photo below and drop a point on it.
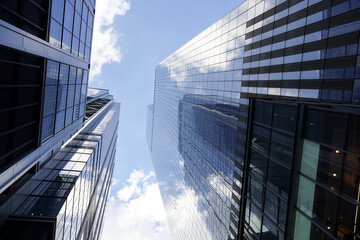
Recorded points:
(354, 134)
(326, 127)
(262, 112)
(281, 148)
(284, 117)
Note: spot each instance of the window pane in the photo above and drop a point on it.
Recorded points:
(82, 109)
(347, 220)
(49, 100)
(272, 205)
(78, 6)
(329, 167)
(76, 112)
(255, 220)
(255, 191)
(281, 148)
(47, 206)
(85, 77)
(326, 127)
(81, 50)
(69, 116)
(88, 37)
(310, 159)
(75, 46)
(77, 22)
(66, 43)
(70, 96)
(257, 163)
(69, 15)
(57, 10)
(262, 112)
(357, 70)
(83, 93)
(304, 229)
(284, 117)
(61, 98)
(64, 74)
(47, 127)
(354, 134)
(87, 53)
(72, 76)
(52, 72)
(83, 31)
(90, 20)
(60, 120)
(339, 73)
(270, 231)
(356, 90)
(278, 178)
(305, 198)
(321, 163)
(80, 76)
(85, 11)
(260, 140)
(77, 94)
(317, 203)
(55, 33)
(351, 176)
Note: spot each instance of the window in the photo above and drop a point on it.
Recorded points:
(281, 148)
(28, 16)
(61, 91)
(326, 127)
(329, 177)
(69, 15)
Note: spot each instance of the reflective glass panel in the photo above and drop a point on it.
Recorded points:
(326, 127)
(284, 117)
(281, 148)
(351, 176)
(69, 13)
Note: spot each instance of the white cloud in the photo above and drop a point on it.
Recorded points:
(134, 187)
(137, 211)
(105, 47)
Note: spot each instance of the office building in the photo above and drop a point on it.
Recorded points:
(66, 198)
(255, 125)
(56, 147)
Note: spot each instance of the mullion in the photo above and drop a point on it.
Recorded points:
(340, 175)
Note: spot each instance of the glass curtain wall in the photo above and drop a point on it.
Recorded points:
(327, 205)
(71, 27)
(269, 172)
(65, 91)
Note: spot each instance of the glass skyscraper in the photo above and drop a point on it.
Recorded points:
(57, 138)
(255, 124)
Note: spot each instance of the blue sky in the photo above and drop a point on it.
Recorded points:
(130, 38)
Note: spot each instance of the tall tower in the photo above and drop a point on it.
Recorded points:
(48, 122)
(256, 124)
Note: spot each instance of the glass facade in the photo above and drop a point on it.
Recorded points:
(57, 146)
(30, 16)
(294, 52)
(71, 188)
(207, 137)
(20, 94)
(41, 109)
(270, 162)
(328, 183)
(71, 26)
(65, 91)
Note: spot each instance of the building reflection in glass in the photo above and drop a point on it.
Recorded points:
(197, 182)
(207, 143)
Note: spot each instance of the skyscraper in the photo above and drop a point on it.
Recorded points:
(57, 140)
(256, 121)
